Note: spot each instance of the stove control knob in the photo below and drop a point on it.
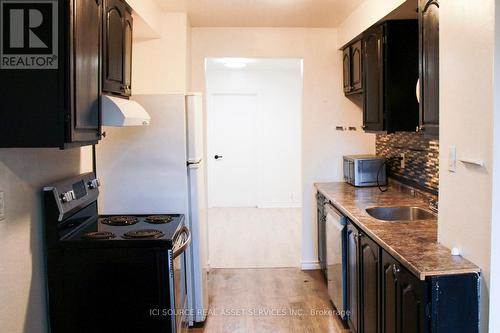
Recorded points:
(68, 196)
(94, 183)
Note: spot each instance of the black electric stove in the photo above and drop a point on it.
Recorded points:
(112, 273)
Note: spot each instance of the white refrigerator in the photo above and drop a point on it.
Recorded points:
(159, 169)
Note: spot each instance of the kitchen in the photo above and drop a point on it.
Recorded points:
(170, 43)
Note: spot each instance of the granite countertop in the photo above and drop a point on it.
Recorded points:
(414, 244)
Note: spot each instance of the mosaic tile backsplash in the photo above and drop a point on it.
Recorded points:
(421, 155)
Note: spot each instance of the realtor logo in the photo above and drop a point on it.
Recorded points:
(28, 34)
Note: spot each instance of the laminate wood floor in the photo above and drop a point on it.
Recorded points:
(273, 232)
(269, 300)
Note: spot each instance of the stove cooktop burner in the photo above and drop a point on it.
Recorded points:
(99, 235)
(120, 220)
(143, 234)
(159, 219)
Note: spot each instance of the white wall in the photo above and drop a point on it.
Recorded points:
(324, 105)
(147, 16)
(466, 117)
(367, 14)
(495, 227)
(278, 134)
(23, 173)
(161, 65)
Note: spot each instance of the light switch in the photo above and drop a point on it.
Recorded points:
(2, 206)
(452, 159)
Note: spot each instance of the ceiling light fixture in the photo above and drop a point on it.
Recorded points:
(236, 62)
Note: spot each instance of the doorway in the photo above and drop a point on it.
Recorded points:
(254, 121)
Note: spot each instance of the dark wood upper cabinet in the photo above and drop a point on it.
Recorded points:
(356, 67)
(390, 74)
(429, 66)
(373, 101)
(86, 89)
(58, 106)
(369, 274)
(117, 48)
(352, 68)
(353, 294)
(346, 65)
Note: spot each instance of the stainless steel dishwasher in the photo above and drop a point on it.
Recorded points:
(336, 258)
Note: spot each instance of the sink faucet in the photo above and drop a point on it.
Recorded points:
(433, 206)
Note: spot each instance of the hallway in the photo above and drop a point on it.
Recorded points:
(280, 300)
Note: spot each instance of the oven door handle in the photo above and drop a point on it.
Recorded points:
(182, 248)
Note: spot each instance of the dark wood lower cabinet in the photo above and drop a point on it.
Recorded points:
(439, 304)
(403, 298)
(389, 287)
(369, 284)
(353, 277)
(383, 296)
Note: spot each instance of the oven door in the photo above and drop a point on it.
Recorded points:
(178, 281)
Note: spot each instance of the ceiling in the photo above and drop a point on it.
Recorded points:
(263, 13)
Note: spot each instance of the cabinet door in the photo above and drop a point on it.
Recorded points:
(403, 297)
(356, 67)
(373, 101)
(346, 64)
(389, 292)
(369, 285)
(352, 277)
(429, 66)
(411, 309)
(127, 55)
(114, 64)
(85, 74)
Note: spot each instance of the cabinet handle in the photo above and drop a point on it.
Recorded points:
(395, 269)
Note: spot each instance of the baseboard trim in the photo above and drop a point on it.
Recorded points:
(309, 265)
(280, 205)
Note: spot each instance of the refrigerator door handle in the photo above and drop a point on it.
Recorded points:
(191, 162)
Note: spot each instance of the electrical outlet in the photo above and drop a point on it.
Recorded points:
(2, 206)
(452, 159)
(403, 160)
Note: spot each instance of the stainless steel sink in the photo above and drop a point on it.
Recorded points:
(402, 214)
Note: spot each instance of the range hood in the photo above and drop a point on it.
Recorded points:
(122, 112)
